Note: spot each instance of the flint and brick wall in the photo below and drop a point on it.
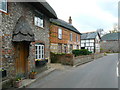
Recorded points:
(9, 20)
(110, 46)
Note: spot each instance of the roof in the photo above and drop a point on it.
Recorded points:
(64, 24)
(45, 8)
(90, 35)
(110, 36)
(22, 31)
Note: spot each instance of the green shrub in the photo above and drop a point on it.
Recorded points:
(79, 52)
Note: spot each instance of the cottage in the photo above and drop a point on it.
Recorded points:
(91, 41)
(64, 37)
(110, 43)
(25, 36)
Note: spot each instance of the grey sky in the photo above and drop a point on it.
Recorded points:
(87, 15)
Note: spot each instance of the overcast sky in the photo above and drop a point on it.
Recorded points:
(87, 15)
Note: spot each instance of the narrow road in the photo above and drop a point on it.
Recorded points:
(100, 73)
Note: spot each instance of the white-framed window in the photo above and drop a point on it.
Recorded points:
(91, 40)
(38, 21)
(82, 45)
(87, 41)
(3, 5)
(60, 33)
(91, 44)
(70, 36)
(39, 51)
(82, 41)
(87, 44)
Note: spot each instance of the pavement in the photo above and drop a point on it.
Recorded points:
(52, 67)
(27, 82)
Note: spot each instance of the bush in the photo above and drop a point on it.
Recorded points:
(81, 52)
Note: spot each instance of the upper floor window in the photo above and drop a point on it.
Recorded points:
(38, 21)
(3, 5)
(39, 51)
(76, 38)
(60, 33)
(70, 36)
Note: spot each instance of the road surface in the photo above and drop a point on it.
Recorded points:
(100, 73)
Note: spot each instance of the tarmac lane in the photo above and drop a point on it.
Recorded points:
(100, 73)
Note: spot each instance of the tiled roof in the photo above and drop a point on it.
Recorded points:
(64, 24)
(90, 35)
(111, 36)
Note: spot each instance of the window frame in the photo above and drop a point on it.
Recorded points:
(39, 21)
(1, 9)
(39, 51)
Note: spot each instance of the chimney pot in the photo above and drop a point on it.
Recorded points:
(70, 20)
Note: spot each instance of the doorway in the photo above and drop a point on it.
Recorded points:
(21, 53)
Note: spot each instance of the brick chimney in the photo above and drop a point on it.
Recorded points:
(70, 20)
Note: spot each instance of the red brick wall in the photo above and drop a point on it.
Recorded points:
(65, 35)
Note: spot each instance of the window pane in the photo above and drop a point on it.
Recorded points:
(70, 36)
(0, 5)
(3, 5)
(41, 24)
(87, 44)
(60, 33)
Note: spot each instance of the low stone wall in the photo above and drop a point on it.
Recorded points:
(86, 58)
(82, 59)
(69, 59)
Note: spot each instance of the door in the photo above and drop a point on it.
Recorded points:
(22, 52)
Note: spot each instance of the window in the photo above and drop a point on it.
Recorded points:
(59, 48)
(3, 5)
(77, 46)
(82, 41)
(39, 51)
(38, 21)
(82, 45)
(87, 44)
(60, 33)
(91, 40)
(71, 47)
(91, 44)
(87, 41)
(70, 36)
(76, 38)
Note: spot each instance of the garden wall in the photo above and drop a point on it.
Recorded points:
(86, 58)
(69, 59)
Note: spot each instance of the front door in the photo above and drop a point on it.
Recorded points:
(22, 52)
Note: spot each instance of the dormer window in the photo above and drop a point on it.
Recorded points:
(3, 6)
(38, 21)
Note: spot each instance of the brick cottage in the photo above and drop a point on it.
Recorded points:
(64, 37)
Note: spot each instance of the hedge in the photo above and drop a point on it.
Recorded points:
(79, 52)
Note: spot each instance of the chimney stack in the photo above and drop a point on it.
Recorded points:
(70, 20)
